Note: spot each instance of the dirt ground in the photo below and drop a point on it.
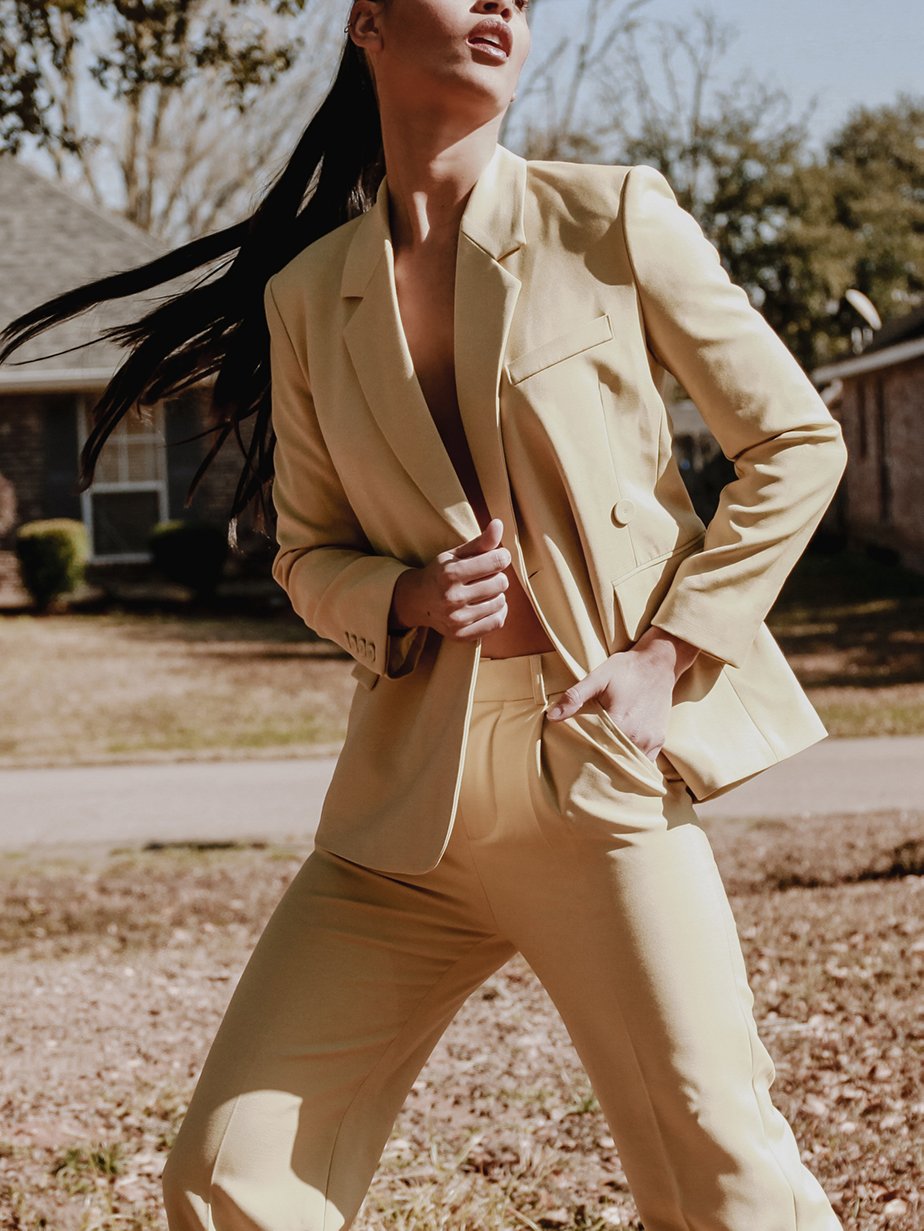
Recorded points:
(116, 968)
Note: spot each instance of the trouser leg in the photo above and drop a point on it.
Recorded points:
(598, 871)
(351, 984)
(651, 984)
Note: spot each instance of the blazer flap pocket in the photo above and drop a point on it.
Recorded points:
(561, 347)
(640, 593)
(366, 676)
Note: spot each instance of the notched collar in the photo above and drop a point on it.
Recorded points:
(492, 219)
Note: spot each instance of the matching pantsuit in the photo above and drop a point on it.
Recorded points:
(463, 825)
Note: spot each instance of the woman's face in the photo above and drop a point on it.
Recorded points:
(444, 55)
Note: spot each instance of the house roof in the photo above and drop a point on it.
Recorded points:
(51, 240)
(899, 329)
(898, 341)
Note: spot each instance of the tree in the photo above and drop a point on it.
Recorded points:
(854, 218)
(875, 181)
(165, 110)
(795, 230)
(550, 117)
(735, 157)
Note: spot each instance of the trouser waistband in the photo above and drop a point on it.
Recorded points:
(522, 677)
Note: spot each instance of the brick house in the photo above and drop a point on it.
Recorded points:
(51, 241)
(878, 398)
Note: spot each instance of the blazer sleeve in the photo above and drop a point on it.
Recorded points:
(787, 449)
(324, 562)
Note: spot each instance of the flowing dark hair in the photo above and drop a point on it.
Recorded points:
(218, 324)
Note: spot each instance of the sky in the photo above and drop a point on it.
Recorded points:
(845, 51)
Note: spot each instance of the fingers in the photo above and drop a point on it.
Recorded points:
(478, 591)
(480, 557)
(466, 586)
(570, 701)
(480, 618)
(489, 538)
(581, 691)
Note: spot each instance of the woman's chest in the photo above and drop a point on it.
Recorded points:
(425, 301)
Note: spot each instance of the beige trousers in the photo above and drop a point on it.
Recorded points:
(574, 848)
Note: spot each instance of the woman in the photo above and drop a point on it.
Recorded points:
(476, 498)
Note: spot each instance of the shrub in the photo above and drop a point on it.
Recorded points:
(52, 557)
(190, 553)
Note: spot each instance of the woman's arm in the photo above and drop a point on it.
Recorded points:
(770, 421)
(324, 562)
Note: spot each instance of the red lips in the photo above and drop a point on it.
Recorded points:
(495, 31)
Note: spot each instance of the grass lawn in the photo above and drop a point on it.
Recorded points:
(84, 688)
(117, 968)
(94, 688)
(853, 630)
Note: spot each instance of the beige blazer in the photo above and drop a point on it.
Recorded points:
(576, 287)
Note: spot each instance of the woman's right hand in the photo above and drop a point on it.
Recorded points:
(460, 593)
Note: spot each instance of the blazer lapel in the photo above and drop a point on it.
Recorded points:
(487, 290)
(486, 293)
(379, 352)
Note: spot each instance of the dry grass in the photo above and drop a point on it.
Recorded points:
(116, 970)
(97, 688)
(853, 630)
(81, 688)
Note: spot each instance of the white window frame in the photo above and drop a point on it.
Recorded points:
(128, 485)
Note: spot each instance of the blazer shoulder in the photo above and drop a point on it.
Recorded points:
(581, 189)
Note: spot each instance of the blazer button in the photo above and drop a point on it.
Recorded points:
(623, 511)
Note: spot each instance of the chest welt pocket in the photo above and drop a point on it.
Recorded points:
(556, 350)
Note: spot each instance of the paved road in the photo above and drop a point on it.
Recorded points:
(280, 800)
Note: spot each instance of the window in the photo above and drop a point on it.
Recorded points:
(129, 490)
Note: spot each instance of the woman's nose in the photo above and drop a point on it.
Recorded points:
(495, 6)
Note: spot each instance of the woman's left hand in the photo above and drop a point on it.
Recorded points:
(635, 687)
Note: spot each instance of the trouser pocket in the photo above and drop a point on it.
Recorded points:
(593, 785)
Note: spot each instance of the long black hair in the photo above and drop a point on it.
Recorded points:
(217, 325)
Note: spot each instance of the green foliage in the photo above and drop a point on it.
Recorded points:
(794, 228)
(797, 231)
(876, 168)
(190, 553)
(52, 556)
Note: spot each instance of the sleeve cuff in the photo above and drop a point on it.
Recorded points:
(402, 651)
(717, 643)
(403, 647)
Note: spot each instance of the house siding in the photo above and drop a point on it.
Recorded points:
(881, 414)
(39, 458)
(22, 432)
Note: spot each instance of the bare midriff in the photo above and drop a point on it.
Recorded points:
(522, 631)
(426, 296)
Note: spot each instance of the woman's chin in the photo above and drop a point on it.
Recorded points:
(483, 82)
(458, 86)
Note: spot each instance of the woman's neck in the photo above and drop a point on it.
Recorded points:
(430, 176)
